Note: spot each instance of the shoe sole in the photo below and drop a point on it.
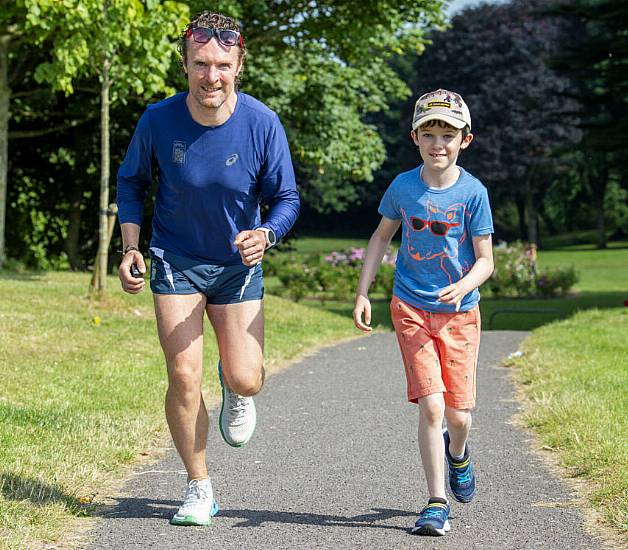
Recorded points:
(431, 531)
(222, 408)
(190, 520)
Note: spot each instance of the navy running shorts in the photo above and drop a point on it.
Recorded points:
(221, 284)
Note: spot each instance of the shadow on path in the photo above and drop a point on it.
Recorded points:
(143, 508)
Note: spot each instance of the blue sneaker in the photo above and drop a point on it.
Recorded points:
(433, 520)
(237, 415)
(461, 477)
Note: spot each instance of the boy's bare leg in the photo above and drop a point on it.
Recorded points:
(180, 327)
(431, 445)
(458, 426)
(239, 331)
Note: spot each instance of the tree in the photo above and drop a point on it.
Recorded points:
(117, 41)
(495, 56)
(323, 67)
(12, 36)
(596, 56)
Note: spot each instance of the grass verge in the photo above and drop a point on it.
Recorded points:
(83, 388)
(574, 379)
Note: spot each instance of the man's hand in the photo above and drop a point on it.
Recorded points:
(362, 306)
(452, 294)
(131, 284)
(252, 245)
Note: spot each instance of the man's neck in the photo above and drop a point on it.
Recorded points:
(440, 180)
(206, 116)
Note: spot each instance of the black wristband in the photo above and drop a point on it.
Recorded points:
(128, 249)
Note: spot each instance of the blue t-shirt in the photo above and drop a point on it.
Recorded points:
(211, 179)
(437, 226)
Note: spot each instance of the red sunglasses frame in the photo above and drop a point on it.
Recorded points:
(428, 223)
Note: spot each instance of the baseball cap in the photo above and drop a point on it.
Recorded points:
(441, 105)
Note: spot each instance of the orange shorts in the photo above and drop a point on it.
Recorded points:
(440, 352)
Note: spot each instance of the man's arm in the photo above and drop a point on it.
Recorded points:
(279, 192)
(134, 181)
(278, 184)
(131, 255)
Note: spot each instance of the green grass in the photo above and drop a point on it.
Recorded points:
(599, 270)
(586, 238)
(574, 376)
(82, 391)
(324, 245)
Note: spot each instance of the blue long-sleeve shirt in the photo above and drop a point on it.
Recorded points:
(212, 180)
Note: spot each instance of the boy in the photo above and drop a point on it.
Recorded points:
(445, 255)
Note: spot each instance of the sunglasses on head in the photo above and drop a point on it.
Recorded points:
(226, 37)
(439, 229)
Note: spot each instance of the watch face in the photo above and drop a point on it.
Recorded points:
(272, 238)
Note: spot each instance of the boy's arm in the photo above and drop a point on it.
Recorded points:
(378, 244)
(480, 272)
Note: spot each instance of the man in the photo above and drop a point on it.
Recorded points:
(218, 153)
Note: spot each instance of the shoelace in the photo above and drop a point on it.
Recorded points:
(237, 406)
(463, 475)
(195, 492)
(431, 511)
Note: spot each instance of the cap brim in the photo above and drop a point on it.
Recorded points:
(455, 122)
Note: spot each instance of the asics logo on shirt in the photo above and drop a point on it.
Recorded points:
(232, 159)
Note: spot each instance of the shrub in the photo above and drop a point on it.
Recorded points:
(332, 277)
(335, 276)
(517, 275)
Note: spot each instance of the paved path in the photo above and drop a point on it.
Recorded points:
(334, 465)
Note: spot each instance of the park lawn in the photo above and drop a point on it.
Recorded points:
(598, 270)
(83, 386)
(325, 245)
(574, 380)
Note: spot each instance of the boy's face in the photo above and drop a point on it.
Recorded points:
(439, 145)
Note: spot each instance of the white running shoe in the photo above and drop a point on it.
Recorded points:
(237, 416)
(199, 505)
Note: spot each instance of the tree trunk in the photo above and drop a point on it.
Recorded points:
(74, 228)
(112, 216)
(99, 281)
(532, 215)
(521, 212)
(5, 94)
(599, 185)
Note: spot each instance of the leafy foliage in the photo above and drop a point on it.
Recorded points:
(517, 275)
(88, 32)
(495, 56)
(330, 277)
(323, 67)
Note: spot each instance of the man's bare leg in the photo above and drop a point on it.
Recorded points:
(239, 332)
(180, 327)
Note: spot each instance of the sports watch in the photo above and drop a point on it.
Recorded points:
(271, 238)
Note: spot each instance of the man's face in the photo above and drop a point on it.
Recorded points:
(211, 69)
(439, 146)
